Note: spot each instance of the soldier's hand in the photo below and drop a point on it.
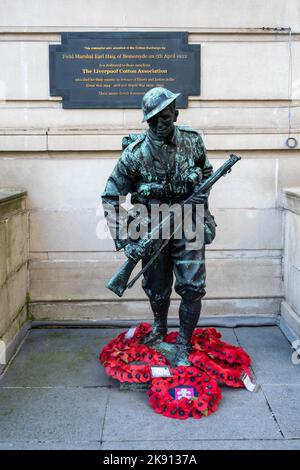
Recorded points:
(207, 171)
(202, 199)
(134, 251)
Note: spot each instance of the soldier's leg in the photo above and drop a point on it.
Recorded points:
(189, 268)
(157, 284)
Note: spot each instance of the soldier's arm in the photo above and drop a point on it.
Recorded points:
(121, 182)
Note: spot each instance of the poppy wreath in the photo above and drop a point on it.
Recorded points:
(208, 340)
(121, 342)
(188, 393)
(221, 360)
(128, 361)
(229, 374)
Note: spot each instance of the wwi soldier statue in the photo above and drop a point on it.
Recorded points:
(163, 165)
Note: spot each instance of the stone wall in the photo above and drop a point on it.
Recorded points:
(13, 270)
(290, 309)
(63, 157)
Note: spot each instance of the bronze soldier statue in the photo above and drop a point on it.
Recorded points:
(163, 165)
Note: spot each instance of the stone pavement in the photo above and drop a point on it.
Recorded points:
(55, 395)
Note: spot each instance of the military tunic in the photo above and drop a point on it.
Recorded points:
(176, 166)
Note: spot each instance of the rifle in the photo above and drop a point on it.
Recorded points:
(120, 281)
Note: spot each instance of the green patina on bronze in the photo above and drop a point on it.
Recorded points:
(163, 165)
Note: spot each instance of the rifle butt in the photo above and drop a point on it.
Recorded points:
(118, 283)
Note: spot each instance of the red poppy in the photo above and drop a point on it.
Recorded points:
(126, 360)
(171, 337)
(173, 396)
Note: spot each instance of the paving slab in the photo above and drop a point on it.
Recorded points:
(271, 355)
(204, 445)
(55, 414)
(66, 357)
(241, 415)
(284, 401)
(56, 395)
(60, 357)
(36, 445)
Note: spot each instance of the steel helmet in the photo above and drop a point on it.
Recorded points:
(155, 100)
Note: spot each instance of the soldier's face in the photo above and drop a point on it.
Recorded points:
(163, 123)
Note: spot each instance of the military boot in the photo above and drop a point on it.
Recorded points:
(159, 330)
(189, 312)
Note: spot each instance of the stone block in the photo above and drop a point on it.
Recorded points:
(240, 141)
(57, 414)
(246, 187)
(14, 333)
(214, 311)
(17, 241)
(4, 311)
(23, 143)
(241, 229)
(3, 251)
(25, 69)
(238, 278)
(76, 141)
(251, 184)
(13, 203)
(17, 289)
(90, 142)
(214, 116)
(53, 117)
(85, 230)
(291, 318)
(80, 230)
(220, 14)
(292, 288)
(46, 181)
(249, 121)
(271, 355)
(85, 280)
(75, 350)
(240, 415)
(284, 402)
(231, 70)
(292, 239)
(288, 171)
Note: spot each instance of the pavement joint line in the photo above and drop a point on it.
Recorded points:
(263, 392)
(102, 427)
(273, 414)
(104, 419)
(280, 385)
(17, 351)
(47, 387)
(150, 440)
(204, 440)
(37, 441)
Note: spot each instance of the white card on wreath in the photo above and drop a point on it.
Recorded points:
(160, 371)
(251, 386)
(130, 333)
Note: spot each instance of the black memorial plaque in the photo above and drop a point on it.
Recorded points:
(114, 70)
